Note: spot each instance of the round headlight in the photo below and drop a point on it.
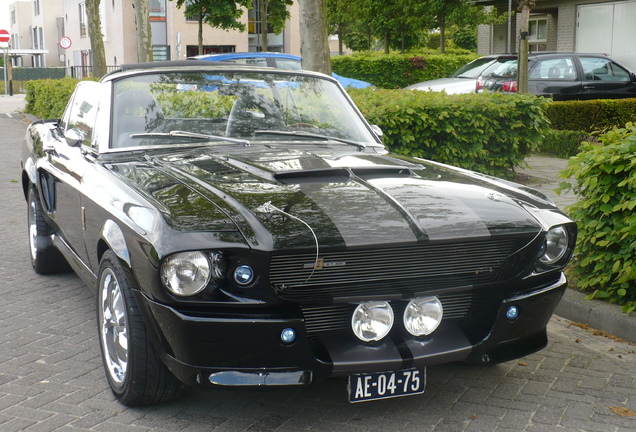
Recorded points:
(186, 273)
(371, 321)
(422, 315)
(555, 245)
(244, 275)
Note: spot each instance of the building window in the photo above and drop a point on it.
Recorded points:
(193, 50)
(538, 33)
(82, 20)
(36, 7)
(191, 17)
(38, 37)
(275, 43)
(13, 16)
(157, 8)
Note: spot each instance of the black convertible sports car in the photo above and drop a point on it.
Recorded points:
(245, 226)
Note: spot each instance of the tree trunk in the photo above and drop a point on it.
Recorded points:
(314, 43)
(200, 37)
(97, 41)
(144, 34)
(263, 13)
(522, 66)
(387, 43)
(442, 35)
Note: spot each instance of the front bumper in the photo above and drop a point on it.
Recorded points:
(239, 347)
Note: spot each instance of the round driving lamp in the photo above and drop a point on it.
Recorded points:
(243, 275)
(422, 315)
(186, 273)
(555, 245)
(371, 321)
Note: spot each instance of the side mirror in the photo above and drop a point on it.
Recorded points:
(74, 137)
(377, 131)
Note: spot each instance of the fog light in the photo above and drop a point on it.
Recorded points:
(288, 335)
(422, 315)
(244, 275)
(371, 321)
(512, 313)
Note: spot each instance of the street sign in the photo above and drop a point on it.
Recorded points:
(65, 42)
(4, 36)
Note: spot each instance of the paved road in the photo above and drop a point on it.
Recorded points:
(51, 377)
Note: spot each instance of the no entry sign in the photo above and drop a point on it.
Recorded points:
(4, 36)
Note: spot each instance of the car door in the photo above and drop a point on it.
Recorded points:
(68, 161)
(556, 77)
(606, 79)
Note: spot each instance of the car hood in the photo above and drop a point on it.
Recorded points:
(350, 199)
(448, 85)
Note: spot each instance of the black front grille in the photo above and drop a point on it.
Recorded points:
(397, 271)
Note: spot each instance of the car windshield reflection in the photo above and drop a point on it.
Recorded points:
(234, 107)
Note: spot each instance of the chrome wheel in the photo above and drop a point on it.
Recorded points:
(113, 327)
(33, 227)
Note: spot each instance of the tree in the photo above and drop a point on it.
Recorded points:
(223, 14)
(273, 14)
(522, 69)
(97, 41)
(314, 43)
(144, 32)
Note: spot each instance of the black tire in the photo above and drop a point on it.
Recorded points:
(45, 258)
(135, 373)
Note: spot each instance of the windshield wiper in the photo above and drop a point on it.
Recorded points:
(358, 144)
(193, 135)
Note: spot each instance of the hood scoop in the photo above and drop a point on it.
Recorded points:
(341, 175)
(322, 175)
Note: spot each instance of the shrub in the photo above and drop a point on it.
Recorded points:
(47, 98)
(489, 133)
(394, 70)
(563, 143)
(605, 177)
(591, 115)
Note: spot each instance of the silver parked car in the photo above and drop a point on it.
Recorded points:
(463, 80)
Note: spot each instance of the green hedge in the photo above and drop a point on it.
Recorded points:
(394, 70)
(591, 115)
(48, 98)
(605, 183)
(563, 143)
(488, 133)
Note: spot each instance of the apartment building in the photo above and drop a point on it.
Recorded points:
(31, 26)
(61, 27)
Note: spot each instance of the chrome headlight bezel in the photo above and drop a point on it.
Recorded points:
(186, 274)
(556, 248)
(423, 315)
(371, 321)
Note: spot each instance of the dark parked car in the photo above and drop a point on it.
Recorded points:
(277, 60)
(463, 80)
(245, 226)
(563, 76)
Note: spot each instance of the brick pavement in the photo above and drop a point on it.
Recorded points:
(51, 377)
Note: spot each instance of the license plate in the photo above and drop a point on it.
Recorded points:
(380, 385)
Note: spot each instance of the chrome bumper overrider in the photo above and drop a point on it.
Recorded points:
(234, 378)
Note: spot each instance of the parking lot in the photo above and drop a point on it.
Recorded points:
(51, 377)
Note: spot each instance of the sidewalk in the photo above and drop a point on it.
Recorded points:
(542, 174)
(12, 105)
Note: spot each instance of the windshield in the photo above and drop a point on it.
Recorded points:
(502, 68)
(172, 107)
(473, 69)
